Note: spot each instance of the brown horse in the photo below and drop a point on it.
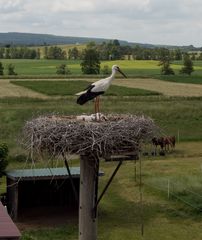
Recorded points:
(165, 143)
(158, 141)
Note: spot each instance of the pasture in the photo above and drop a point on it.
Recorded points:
(121, 214)
(172, 114)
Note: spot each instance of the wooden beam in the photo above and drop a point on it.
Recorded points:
(88, 192)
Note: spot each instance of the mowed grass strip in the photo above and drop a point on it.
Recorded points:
(9, 90)
(181, 78)
(165, 87)
(65, 88)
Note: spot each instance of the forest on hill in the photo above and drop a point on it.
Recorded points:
(33, 39)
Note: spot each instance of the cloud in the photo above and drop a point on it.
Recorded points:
(151, 21)
(7, 6)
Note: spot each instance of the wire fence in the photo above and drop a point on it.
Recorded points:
(168, 188)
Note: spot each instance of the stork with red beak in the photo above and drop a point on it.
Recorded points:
(98, 88)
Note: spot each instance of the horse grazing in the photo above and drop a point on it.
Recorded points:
(164, 142)
(158, 141)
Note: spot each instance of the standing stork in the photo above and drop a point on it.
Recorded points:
(97, 88)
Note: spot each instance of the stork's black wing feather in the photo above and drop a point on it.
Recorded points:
(89, 87)
(85, 97)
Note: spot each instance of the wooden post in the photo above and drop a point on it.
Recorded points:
(178, 135)
(88, 197)
(168, 188)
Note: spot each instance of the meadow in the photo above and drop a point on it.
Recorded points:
(121, 214)
(142, 68)
(173, 115)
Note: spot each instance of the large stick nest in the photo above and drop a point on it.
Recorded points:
(67, 135)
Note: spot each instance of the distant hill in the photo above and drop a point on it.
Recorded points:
(33, 39)
(30, 39)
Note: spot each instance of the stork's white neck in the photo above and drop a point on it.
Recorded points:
(113, 74)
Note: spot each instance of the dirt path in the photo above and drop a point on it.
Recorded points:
(10, 90)
(166, 88)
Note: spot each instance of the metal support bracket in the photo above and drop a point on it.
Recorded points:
(107, 185)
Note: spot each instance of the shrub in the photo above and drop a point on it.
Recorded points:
(19, 158)
(11, 69)
(106, 70)
(63, 70)
(188, 65)
(166, 69)
(1, 69)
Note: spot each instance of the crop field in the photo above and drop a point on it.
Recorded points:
(172, 185)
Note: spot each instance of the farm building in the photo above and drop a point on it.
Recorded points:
(8, 230)
(30, 189)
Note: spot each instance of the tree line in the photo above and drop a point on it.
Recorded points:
(90, 63)
(111, 50)
(93, 54)
(19, 53)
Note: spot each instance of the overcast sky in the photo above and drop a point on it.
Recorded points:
(173, 22)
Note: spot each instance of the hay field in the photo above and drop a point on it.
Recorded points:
(166, 88)
(10, 90)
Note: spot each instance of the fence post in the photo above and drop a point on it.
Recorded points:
(168, 189)
(178, 135)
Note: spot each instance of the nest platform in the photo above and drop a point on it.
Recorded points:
(115, 135)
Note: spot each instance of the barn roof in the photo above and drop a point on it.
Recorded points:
(41, 173)
(8, 230)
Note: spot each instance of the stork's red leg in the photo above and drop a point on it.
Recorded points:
(98, 107)
(98, 104)
(95, 106)
(97, 117)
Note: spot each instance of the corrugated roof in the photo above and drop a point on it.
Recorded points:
(43, 172)
(8, 230)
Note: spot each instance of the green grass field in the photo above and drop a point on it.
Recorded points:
(40, 67)
(120, 212)
(196, 79)
(47, 68)
(174, 115)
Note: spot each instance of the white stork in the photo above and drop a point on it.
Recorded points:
(97, 88)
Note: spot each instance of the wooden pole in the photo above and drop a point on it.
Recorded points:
(88, 197)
